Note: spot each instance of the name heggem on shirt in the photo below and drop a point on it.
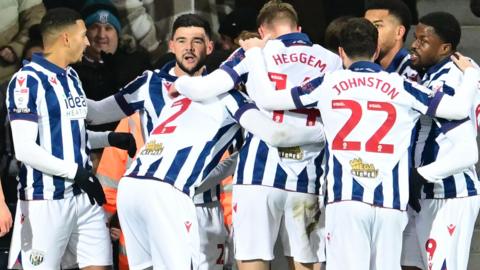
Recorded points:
(303, 58)
(376, 83)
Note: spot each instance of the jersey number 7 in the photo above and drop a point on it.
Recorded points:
(280, 81)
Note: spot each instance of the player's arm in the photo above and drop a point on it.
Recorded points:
(220, 81)
(121, 140)
(458, 106)
(262, 90)
(224, 169)
(122, 104)
(461, 155)
(275, 134)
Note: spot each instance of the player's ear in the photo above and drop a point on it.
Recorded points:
(401, 32)
(210, 46)
(377, 52)
(261, 31)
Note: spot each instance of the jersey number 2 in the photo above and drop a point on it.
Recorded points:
(162, 128)
(373, 144)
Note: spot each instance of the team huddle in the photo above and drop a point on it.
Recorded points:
(362, 158)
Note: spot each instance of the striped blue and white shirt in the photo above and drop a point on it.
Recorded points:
(291, 59)
(189, 140)
(148, 94)
(368, 115)
(52, 97)
(402, 65)
(445, 77)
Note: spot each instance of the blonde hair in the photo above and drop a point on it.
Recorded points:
(276, 10)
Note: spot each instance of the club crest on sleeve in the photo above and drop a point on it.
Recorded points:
(36, 257)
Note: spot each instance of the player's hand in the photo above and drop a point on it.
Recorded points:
(8, 55)
(87, 182)
(115, 233)
(173, 92)
(123, 140)
(415, 187)
(461, 61)
(5, 219)
(254, 42)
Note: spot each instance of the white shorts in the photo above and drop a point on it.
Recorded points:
(360, 236)
(213, 236)
(159, 224)
(52, 233)
(262, 214)
(444, 229)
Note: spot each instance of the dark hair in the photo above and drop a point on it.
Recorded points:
(446, 26)
(58, 18)
(188, 20)
(396, 8)
(277, 10)
(359, 38)
(332, 33)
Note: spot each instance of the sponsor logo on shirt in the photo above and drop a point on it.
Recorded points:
(20, 96)
(152, 148)
(76, 107)
(291, 152)
(361, 169)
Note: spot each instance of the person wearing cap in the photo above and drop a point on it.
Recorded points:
(103, 69)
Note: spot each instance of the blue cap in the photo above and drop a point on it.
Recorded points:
(104, 16)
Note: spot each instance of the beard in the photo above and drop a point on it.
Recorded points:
(201, 62)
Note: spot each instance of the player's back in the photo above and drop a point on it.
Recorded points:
(291, 59)
(368, 118)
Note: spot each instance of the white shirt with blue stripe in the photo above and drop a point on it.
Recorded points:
(148, 94)
(53, 98)
(368, 116)
(443, 77)
(290, 59)
(402, 65)
(189, 140)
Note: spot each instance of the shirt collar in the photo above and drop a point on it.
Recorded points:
(401, 54)
(39, 59)
(433, 69)
(295, 38)
(365, 66)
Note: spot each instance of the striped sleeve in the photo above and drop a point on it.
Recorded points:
(307, 94)
(237, 103)
(132, 97)
(422, 98)
(235, 66)
(22, 95)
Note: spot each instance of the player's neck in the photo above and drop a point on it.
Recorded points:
(388, 58)
(56, 57)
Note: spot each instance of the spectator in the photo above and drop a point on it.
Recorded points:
(149, 22)
(16, 18)
(103, 69)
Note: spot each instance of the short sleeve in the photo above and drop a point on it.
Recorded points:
(132, 96)
(22, 95)
(237, 103)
